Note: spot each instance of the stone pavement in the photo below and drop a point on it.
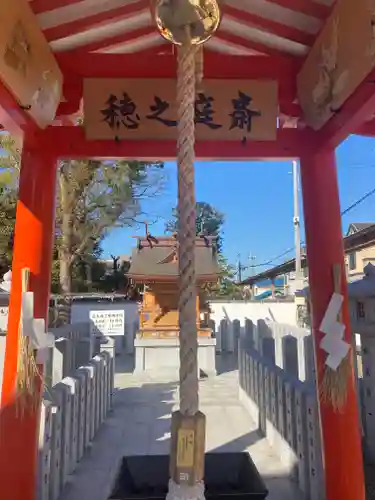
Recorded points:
(140, 424)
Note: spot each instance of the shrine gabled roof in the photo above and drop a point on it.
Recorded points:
(156, 260)
(285, 28)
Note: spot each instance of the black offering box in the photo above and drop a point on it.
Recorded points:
(228, 476)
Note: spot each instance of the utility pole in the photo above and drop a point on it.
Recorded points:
(251, 266)
(239, 268)
(296, 222)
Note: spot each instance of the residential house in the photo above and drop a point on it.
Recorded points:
(359, 256)
(359, 247)
(265, 288)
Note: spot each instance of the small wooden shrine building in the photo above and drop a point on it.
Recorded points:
(282, 79)
(154, 263)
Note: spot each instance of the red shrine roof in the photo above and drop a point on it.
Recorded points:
(249, 27)
(282, 28)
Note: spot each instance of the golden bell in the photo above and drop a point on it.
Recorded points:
(174, 17)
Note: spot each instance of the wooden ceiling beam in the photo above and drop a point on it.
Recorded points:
(273, 27)
(41, 6)
(121, 38)
(95, 20)
(307, 7)
(253, 45)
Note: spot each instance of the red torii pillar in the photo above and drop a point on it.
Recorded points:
(341, 437)
(34, 233)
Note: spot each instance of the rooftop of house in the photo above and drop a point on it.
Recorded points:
(157, 258)
(267, 283)
(359, 235)
(359, 289)
(364, 287)
(355, 227)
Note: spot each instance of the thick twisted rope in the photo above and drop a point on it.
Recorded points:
(189, 397)
(199, 63)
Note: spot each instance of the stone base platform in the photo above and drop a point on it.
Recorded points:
(159, 354)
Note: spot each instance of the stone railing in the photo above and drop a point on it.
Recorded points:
(77, 400)
(366, 378)
(74, 347)
(284, 405)
(277, 386)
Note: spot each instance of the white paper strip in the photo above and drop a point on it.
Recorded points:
(329, 323)
(35, 328)
(27, 312)
(334, 360)
(333, 343)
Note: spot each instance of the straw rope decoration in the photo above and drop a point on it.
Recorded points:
(29, 377)
(199, 64)
(189, 383)
(334, 385)
(335, 382)
(186, 81)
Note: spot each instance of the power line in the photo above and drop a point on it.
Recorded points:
(358, 202)
(291, 249)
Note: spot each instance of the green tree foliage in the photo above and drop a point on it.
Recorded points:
(210, 222)
(93, 197)
(9, 172)
(228, 286)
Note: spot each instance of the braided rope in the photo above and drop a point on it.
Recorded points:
(199, 62)
(189, 397)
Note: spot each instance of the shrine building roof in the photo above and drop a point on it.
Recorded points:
(282, 30)
(249, 27)
(156, 259)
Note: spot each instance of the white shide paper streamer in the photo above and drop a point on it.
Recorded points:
(35, 328)
(333, 343)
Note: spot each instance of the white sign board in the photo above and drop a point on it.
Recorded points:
(3, 318)
(107, 323)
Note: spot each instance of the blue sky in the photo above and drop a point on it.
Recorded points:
(257, 200)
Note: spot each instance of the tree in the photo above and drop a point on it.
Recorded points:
(9, 172)
(228, 286)
(93, 197)
(96, 197)
(209, 221)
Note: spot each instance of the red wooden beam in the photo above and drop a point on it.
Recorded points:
(291, 109)
(70, 142)
(79, 65)
(367, 129)
(250, 44)
(12, 117)
(113, 41)
(353, 114)
(269, 26)
(40, 6)
(72, 92)
(216, 66)
(157, 50)
(308, 7)
(95, 20)
(90, 65)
